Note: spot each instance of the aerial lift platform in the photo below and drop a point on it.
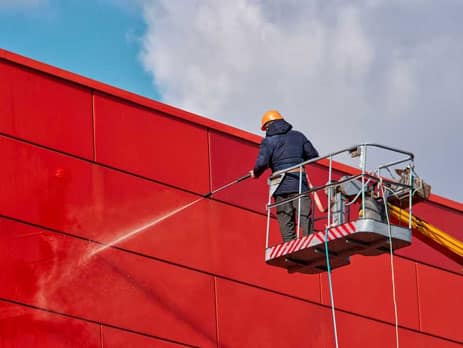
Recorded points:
(357, 220)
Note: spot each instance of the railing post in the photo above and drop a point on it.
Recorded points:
(267, 236)
(298, 233)
(410, 194)
(330, 170)
(363, 161)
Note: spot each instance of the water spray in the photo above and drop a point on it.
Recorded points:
(165, 216)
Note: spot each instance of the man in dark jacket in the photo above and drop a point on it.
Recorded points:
(282, 148)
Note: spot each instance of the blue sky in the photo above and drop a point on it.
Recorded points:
(98, 39)
(343, 72)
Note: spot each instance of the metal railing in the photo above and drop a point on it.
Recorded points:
(367, 176)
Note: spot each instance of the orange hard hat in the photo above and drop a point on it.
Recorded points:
(270, 115)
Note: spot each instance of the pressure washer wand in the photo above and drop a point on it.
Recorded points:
(248, 175)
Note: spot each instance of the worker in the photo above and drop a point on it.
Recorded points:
(282, 148)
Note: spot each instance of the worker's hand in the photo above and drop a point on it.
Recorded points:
(251, 172)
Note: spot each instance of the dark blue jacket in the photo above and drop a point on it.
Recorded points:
(282, 148)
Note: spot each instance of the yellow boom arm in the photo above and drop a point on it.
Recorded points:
(428, 230)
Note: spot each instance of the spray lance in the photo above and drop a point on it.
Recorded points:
(248, 175)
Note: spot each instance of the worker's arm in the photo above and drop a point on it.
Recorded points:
(263, 159)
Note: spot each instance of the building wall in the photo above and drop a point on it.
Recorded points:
(106, 239)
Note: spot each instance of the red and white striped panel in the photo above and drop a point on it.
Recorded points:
(307, 241)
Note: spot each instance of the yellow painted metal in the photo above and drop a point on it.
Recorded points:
(428, 230)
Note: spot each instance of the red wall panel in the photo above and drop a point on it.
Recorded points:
(78, 197)
(21, 326)
(45, 110)
(63, 274)
(365, 287)
(151, 144)
(441, 304)
(354, 331)
(232, 158)
(223, 240)
(250, 317)
(113, 338)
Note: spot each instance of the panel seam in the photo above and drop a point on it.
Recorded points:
(216, 312)
(101, 336)
(418, 299)
(209, 158)
(93, 126)
(75, 317)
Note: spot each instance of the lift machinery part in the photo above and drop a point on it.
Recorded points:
(236, 181)
(318, 202)
(428, 230)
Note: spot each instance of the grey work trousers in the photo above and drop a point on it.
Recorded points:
(287, 213)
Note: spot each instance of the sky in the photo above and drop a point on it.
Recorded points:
(342, 71)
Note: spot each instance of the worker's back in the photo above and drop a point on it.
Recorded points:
(288, 147)
(282, 148)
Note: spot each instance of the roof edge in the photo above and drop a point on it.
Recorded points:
(171, 110)
(126, 95)
(449, 203)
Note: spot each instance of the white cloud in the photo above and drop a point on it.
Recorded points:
(344, 72)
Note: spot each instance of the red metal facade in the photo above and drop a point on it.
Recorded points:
(85, 165)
